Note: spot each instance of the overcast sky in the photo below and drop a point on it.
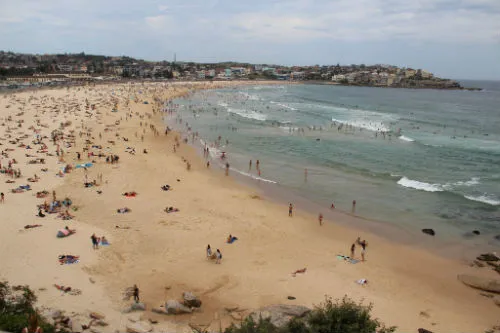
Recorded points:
(452, 38)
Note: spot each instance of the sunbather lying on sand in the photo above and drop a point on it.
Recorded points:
(166, 188)
(231, 239)
(303, 270)
(65, 232)
(120, 227)
(62, 288)
(123, 210)
(42, 194)
(171, 209)
(68, 259)
(130, 194)
(65, 215)
(30, 226)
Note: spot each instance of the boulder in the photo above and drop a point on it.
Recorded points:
(485, 284)
(56, 314)
(429, 232)
(497, 237)
(140, 327)
(100, 322)
(476, 232)
(159, 310)
(175, 307)
(135, 317)
(76, 326)
(280, 314)
(96, 315)
(135, 307)
(190, 300)
(423, 330)
(488, 257)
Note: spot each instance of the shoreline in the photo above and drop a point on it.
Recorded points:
(457, 247)
(164, 253)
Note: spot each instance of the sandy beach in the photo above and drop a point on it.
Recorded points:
(164, 253)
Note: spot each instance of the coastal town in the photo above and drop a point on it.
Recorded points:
(19, 70)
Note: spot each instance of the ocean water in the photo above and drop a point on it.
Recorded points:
(410, 158)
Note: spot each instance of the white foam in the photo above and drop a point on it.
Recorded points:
(484, 199)
(248, 114)
(473, 181)
(405, 138)
(284, 106)
(371, 126)
(415, 184)
(254, 176)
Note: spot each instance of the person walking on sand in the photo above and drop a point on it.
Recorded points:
(218, 256)
(353, 250)
(136, 293)
(2, 197)
(209, 251)
(95, 242)
(227, 169)
(353, 206)
(290, 210)
(363, 250)
(320, 219)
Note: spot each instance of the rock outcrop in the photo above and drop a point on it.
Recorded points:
(430, 232)
(140, 327)
(176, 307)
(485, 284)
(280, 314)
(190, 300)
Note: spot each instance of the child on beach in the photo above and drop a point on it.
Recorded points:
(95, 241)
(218, 256)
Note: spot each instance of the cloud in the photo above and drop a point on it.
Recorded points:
(375, 20)
(258, 30)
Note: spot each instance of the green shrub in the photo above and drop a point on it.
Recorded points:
(16, 307)
(341, 316)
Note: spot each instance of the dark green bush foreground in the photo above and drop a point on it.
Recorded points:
(341, 316)
(17, 311)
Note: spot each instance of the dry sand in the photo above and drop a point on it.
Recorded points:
(164, 254)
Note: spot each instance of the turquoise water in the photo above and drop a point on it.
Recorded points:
(411, 158)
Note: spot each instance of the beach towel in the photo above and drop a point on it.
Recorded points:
(348, 259)
(69, 259)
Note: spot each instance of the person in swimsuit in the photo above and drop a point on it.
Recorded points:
(290, 210)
